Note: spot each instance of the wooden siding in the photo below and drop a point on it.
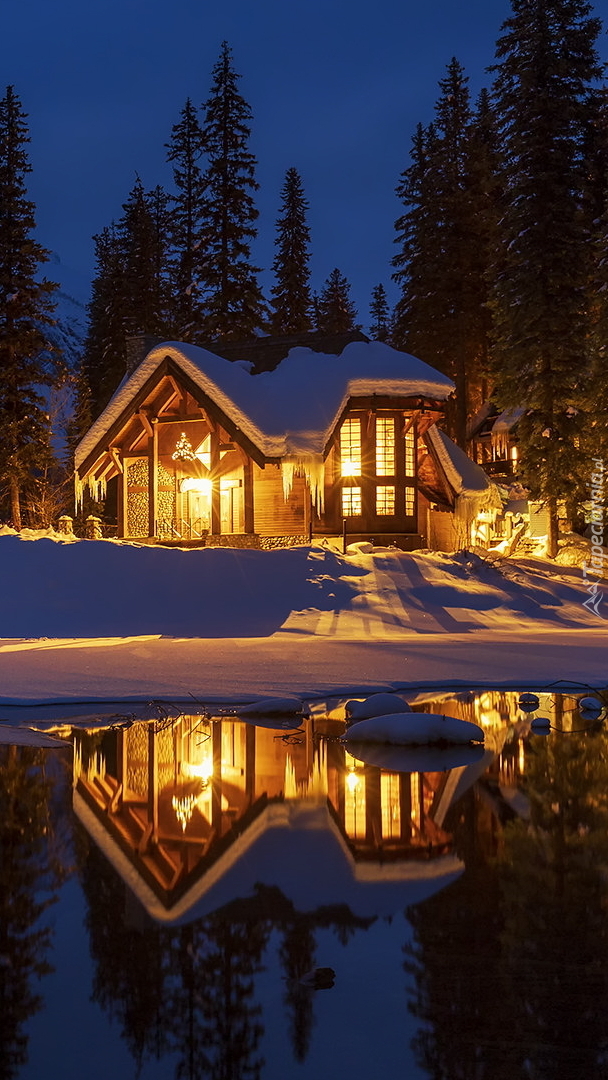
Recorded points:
(273, 516)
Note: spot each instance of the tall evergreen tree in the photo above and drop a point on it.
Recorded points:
(105, 350)
(596, 221)
(143, 243)
(418, 260)
(547, 63)
(25, 310)
(187, 229)
(437, 264)
(380, 327)
(235, 307)
(129, 292)
(335, 311)
(292, 302)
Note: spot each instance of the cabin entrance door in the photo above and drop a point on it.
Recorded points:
(231, 505)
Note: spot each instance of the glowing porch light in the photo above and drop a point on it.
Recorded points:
(514, 453)
(203, 770)
(352, 781)
(201, 486)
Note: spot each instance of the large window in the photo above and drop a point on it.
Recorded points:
(385, 446)
(385, 500)
(350, 448)
(351, 502)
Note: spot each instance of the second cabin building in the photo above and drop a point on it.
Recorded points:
(196, 448)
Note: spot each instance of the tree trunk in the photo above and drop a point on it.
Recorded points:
(15, 503)
(553, 531)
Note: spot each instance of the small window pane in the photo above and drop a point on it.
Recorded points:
(410, 501)
(351, 501)
(385, 446)
(410, 453)
(385, 500)
(350, 448)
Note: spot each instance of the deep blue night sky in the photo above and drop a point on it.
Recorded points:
(336, 88)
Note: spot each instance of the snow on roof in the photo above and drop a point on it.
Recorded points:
(293, 409)
(507, 420)
(464, 476)
(278, 848)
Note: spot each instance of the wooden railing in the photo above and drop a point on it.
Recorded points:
(182, 529)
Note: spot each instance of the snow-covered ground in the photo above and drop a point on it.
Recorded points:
(103, 620)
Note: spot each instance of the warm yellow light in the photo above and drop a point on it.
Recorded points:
(514, 454)
(202, 486)
(202, 770)
(352, 781)
(349, 467)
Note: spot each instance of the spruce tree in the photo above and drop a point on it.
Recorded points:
(418, 260)
(25, 310)
(547, 63)
(336, 313)
(129, 292)
(596, 222)
(292, 303)
(105, 350)
(188, 253)
(235, 307)
(380, 327)
(142, 241)
(446, 238)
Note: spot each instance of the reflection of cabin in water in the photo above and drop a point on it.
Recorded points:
(192, 812)
(194, 446)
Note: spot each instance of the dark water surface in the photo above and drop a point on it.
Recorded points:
(216, 899)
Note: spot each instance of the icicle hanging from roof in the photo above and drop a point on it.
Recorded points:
(97, 488)
(312, 467)
(78, 491)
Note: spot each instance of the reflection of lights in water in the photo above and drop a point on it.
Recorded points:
(315, 785)
(352, 780)
(184, 808)
(203, 770)
(522, 756)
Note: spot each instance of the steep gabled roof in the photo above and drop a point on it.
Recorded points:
(293, 409)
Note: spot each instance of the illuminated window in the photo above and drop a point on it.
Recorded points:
(410, 453)
(203, 452)
(385, 500)
(354, 806)
(385, 446)
(351, 501)
(350, 448)
(410, 501)
(391, 806)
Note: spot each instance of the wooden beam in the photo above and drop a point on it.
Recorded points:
(248, 504)
(153, 780)
(216, 523)
(410, 421)
(122, 508)
(145, 419)
(114, 452)
(153, 479)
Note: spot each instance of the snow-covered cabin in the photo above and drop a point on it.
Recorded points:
(194, 447)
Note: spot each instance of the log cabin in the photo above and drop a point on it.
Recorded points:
(195, 449)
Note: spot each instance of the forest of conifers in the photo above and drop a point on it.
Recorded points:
(500, 262)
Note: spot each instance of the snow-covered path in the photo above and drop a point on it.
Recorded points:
(100, 620)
